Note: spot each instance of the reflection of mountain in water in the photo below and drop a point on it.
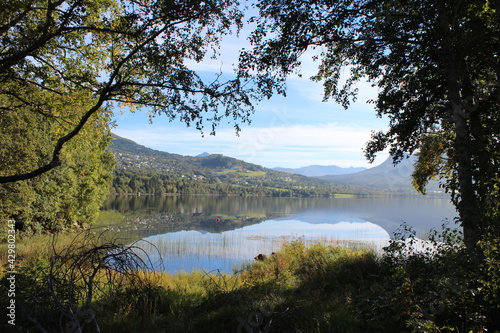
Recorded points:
(139, 217)
(188, 250)
(136, 217)
(422, 214)
(219, 232)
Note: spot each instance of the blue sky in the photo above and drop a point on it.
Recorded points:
(295, 131)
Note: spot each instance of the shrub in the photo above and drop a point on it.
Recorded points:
(430, 286)
(58, 293)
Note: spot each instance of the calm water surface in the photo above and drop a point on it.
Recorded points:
(221, 233)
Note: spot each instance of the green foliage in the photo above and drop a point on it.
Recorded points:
(430, 162)
(431, 285)
(134, 308)
(65, 290)
(71, 194)
(118, 53)
(491, 278)
(306, 288)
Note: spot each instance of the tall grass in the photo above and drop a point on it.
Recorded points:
(301, 288)
(37, 245)
(282, 292)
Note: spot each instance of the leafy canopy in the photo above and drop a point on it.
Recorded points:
(132, 53)
(69, 195)
(437, 68)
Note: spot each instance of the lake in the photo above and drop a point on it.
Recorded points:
(221, 233)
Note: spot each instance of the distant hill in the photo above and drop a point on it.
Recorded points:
(127, 146)
(387, 176)
(320, 170)
(132, 155)
(144, 170)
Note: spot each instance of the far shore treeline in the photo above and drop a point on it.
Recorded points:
(141, 170)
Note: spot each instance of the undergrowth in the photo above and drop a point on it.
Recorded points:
(433, 287)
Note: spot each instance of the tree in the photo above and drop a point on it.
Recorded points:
(134, 53)
(71, 194)
(437, 67)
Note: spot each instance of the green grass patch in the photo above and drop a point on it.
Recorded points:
(31, 246)
(252, 173)
(246, 173)
(344, 196)
(108, 215)
(226, 172)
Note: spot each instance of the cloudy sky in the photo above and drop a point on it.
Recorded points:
(295, 131)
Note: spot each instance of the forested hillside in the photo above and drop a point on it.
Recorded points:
(147, 171)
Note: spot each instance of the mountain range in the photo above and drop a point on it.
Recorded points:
(387, 176)
(320, 170)
(135, 159)
(143, 170)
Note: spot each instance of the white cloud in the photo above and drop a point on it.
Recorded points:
(301, 145)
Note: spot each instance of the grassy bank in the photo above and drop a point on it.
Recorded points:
(302, 288)
(30, 246)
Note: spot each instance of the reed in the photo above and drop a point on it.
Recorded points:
(301, 288)
(29, 246)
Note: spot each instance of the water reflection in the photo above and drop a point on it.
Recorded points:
(220, 232)
(226, 251)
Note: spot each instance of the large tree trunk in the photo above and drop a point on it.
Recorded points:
(466, 203)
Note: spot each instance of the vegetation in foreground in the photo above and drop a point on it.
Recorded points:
(97, 285)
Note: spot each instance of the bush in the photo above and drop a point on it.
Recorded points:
(431, 285)
(58, 293)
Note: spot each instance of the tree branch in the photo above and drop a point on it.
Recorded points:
(104, 96)
(55, 161)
